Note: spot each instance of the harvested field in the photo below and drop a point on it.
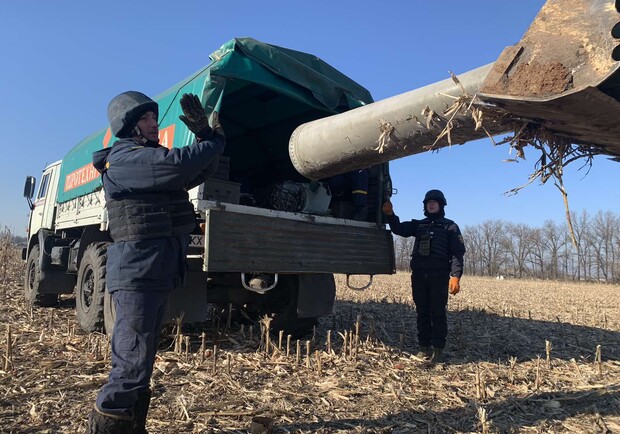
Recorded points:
(522, 358)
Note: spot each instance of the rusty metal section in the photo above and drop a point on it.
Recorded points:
(562, 75)
(568, 46)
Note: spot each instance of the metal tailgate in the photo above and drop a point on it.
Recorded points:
(237, 242)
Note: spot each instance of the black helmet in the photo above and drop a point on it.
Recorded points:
(435, 195)
(125, 110)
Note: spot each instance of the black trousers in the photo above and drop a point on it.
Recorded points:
(138, 325)
(430, 295)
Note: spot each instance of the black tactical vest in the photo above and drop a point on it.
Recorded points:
(150, 216)
(432, 240)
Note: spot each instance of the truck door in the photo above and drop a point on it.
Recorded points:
(45, 201)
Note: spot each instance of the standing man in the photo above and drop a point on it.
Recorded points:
(150, 219)
(436, 269)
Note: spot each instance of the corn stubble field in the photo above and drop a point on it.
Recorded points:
(524, 356)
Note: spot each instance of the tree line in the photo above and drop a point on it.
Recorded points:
(499, 248)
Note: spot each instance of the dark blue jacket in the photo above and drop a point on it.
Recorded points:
(446, 249)
(131, 169)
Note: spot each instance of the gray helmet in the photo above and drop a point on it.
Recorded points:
(125, 110)
(435, 195)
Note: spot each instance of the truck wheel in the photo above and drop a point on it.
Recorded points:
(109, 313)
(286, 318)
(292, 325)
(90, 288)
(32, 282)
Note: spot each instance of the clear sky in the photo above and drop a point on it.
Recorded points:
(62, 61)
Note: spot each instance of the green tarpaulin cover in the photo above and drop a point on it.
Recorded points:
(262, 93)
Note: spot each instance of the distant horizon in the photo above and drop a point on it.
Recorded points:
(562, 221)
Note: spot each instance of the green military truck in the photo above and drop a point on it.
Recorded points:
(257, 215)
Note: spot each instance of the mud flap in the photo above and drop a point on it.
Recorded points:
(189, 300)
(317, 293)
(53, 280)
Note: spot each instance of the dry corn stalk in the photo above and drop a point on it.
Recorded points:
(288, 345)
(463, 104)
(513, 364)
(481, 388)
(484, 419)
(8, 358)
(537, 380)
(266, 328)
(215, 359)
(308, 354)
(203, 338)
(386, 136)
(329, 342)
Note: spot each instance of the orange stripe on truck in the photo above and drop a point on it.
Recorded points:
(81, 176)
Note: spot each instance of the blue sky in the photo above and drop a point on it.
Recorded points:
(64, 60)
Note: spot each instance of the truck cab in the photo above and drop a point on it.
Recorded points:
(44, 205)
(45, 278)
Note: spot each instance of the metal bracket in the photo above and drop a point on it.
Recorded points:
(361, 288)
(257, 290)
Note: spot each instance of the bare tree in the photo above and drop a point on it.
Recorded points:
(583, 244)
(553, 238)
(518, 244)
(604, 232)
(474, 264)
(538, 255)
(402, 250)
(493, 252)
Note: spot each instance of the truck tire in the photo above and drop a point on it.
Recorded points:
(32, 282)
(286, 318)
(90, 288)
(109, 313)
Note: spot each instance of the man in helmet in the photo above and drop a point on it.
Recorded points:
(436, 269)
(150, 219)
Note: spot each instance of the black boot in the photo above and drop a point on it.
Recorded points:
(140, 411)
(438, 355)
(425, 353)
(99, 423)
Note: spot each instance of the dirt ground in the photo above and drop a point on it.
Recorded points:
(522, 358)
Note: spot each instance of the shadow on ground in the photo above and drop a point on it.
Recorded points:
(477, 335)
(508, 415)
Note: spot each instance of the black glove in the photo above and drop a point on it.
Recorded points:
(195, 116)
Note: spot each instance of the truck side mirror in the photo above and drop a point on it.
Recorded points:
(29, 190)
(29, 187)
